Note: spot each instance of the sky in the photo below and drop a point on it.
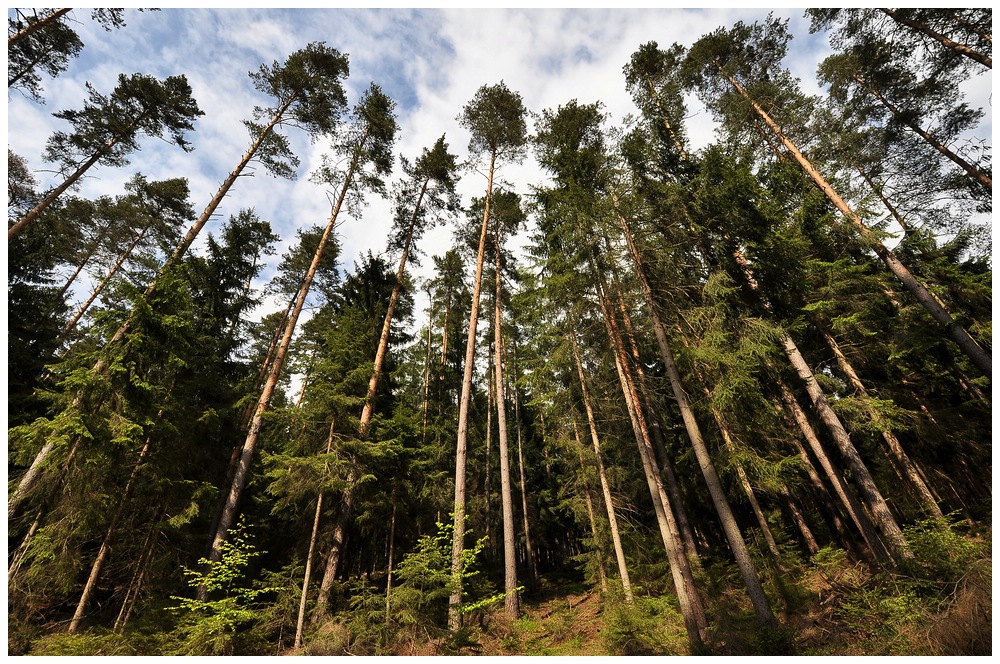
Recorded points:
(430, 61)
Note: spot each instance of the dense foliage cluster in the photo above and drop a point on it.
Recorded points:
(741, 395)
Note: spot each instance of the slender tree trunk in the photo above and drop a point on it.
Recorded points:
(68, 327)
(762, 606)
(32, 215)
(976, 174)
(895, 448)
(313, 537)
(99, 367)
(392, 545)
(605, 486)
(264, 402)
(687, 595)
(511, 600)
(969, 346)
(598, 549)
(427, 371)
(105, 550)
(458, 534)
(528, 545)
(132, 593)
(31, 28)
(850, 503)
(957, 47)
(336, 548)
(383, 342)
(86, 259)
(863, 479)
(800, 522)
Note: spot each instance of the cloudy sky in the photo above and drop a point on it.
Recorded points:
(430, 61)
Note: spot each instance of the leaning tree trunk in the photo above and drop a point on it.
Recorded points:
(68, 327)
(461, 449)
(511, 603)
(896, 452)
(762, 607)
(264, 402)
(101, 365)
(950, 44)
(31, 28)
(605, 486)
(973, 350)
(687, 594)
(850, 503)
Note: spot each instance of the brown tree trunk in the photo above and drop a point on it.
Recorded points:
(602, 574)
(957, 47)
(528, 544)
(973, 350)
(68, 327)
(895, 449)
(99, 367)
(848, 500)
(336, 548)
(762, 607)
(511, 599)
(30, 29)
(105, 550)
(383, 342)
(264, 402)
(605, 486)
(313, 537)
(458, 533)
(687, 594)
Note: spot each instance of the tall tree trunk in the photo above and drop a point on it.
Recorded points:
(605, 486)
(848, 500)
(976, 174)
(68, 327)
(862, 478)
(427, 371)
(264, 402)
(895, 449)
(458, 533)
(528, 544)
(47, 200)
(101, 365)
(511, 600)
(392, 546)
(973, 350)
(105, 550)
(800, 522)
(690, 602)
(762, 607)
(383, 342)
(86, 259)
(135, 585)
(336, 547)
(952, 45)
(31, 28)
(313, 537)
(602, 574)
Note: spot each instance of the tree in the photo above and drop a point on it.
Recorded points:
(107, 129)
(366, 143)
(495, 117)
(746, 52)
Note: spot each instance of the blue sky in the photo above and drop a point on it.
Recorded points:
(431, 61)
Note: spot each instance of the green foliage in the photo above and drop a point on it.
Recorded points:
(221, 626)
(652, 626)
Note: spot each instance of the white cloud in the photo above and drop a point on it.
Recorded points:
(432, 61)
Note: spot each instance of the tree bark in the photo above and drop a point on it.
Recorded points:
(37, 25)
(605, 486)
(762, 607)
(973, 350)
(952, 45)
(602, 574)
(458, 533)
(894, 447)
(264, 402)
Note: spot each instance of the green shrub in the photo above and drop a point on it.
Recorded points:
(651, 626)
